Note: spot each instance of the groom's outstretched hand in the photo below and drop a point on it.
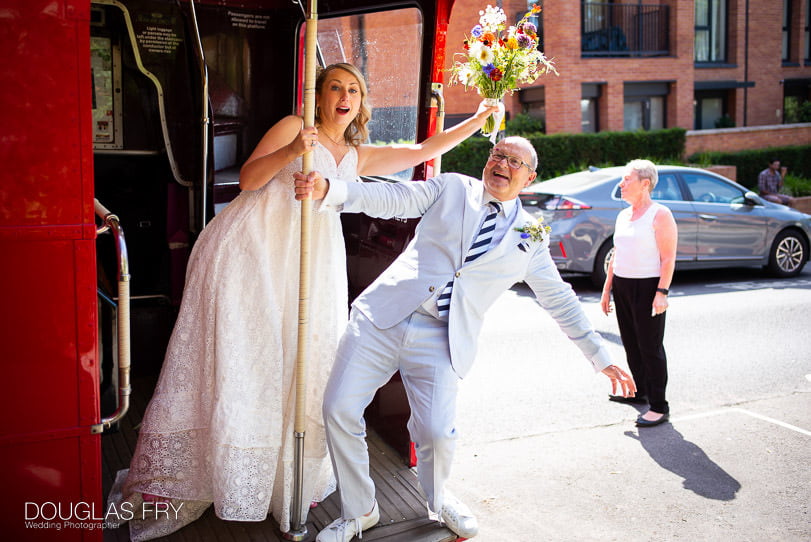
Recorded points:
(313, 186)
(624, 380)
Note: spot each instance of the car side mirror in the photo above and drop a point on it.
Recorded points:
(750, 198)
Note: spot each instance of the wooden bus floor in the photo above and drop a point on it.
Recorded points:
(403, 514)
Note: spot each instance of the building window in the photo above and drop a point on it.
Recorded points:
(533, 103)
(644, 113)
(536, 19)
(590, 108)
(712, 110)
(797, 100)
(588, 116)
(711, 31)
(645, 106)
(786, 30)
(624, 29)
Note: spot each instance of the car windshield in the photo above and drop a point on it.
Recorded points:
(575, 182)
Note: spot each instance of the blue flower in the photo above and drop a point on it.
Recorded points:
(487, 68)
(477, 31)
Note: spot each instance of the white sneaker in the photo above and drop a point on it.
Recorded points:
(344, 530)
(458, 517)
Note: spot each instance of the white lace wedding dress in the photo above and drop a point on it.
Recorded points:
(219, 427)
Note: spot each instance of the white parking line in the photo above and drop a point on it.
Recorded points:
(761, 284)
(748, 413)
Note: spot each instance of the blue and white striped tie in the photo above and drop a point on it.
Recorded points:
(479, 247)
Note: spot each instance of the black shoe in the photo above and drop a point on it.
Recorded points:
(642, 422)
(637, 400)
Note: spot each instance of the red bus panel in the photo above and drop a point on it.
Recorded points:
(48, 350)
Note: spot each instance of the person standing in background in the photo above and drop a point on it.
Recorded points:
(639, 274)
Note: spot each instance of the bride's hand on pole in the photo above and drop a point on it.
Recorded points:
(305, 140)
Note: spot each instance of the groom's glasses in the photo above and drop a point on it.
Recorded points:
(513, 161)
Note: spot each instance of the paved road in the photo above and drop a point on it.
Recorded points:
(543, 455)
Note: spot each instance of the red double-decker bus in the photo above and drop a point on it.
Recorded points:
(124, 126)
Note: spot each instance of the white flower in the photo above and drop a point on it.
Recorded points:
(475, 47)
(486, 56)
(481, 53)
(466, 75)
(492, 19)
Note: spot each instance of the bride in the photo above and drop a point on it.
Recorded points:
(219, 427)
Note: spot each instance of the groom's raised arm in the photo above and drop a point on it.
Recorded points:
(379, 199)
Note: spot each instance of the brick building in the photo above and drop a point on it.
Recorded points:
(626, 65)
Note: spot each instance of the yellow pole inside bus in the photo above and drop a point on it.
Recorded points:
(298, 528)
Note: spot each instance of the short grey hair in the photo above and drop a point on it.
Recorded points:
(646, 170)
(525, 143)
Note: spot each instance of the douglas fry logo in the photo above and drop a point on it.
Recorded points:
(84, 515)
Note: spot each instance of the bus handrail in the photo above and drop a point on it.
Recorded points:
(439, 97)
(205, 119)
(112, 223)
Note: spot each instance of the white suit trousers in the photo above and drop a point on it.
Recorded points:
(367, 357)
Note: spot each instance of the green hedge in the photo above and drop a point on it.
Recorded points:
(750, 163)
(561, 153)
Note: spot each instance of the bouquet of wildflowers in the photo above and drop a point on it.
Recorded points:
(498, 58)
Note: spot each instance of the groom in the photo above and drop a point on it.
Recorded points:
(423, 315)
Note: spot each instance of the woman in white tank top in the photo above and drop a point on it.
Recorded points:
(639, 274)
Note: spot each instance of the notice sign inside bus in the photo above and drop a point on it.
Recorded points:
(105, 70)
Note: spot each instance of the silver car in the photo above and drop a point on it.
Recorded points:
(721, 223)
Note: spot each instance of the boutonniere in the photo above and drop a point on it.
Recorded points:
(534, 231)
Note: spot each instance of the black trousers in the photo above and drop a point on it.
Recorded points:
(642, 336)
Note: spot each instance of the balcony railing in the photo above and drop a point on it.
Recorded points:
(625, 30)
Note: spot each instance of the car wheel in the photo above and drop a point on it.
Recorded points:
(601, 263)
(788, 254)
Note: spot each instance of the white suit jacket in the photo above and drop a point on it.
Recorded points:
(450, 207)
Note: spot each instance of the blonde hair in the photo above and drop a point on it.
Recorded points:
(357, 132)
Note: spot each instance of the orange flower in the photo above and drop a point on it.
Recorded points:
(496, 74)
(488, 39)
(535, 8)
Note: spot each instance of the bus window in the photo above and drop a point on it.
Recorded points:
(371, 42)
